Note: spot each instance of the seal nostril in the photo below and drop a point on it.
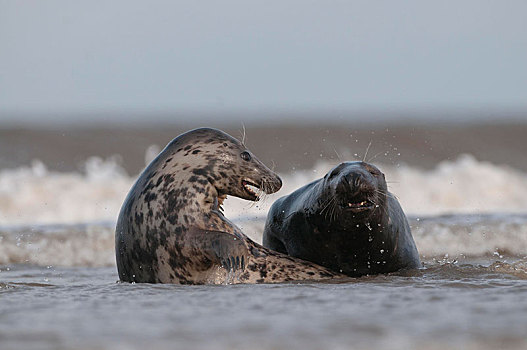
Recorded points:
(356, 180)
(352, 181)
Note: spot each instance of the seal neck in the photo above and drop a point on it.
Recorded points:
(201, 208)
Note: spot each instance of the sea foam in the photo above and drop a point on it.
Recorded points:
(461, 208)
(34, 195)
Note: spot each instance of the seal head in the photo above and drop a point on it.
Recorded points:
(353, 191)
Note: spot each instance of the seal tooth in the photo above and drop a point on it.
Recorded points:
(251, 188)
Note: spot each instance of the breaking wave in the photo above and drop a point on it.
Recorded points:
(35, 195)
(461, 208)
(438, 239)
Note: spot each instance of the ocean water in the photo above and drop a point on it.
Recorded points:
(59, 290)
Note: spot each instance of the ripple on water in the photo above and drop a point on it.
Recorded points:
(448, 304)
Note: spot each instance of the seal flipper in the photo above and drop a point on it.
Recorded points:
(221, 248)
(243, 260)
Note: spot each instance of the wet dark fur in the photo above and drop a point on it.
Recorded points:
(315, 224)
(171, 228)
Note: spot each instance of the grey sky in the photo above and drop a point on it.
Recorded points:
(147, 56)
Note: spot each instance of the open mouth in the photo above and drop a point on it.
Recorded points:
(252, 189)
(358, 206)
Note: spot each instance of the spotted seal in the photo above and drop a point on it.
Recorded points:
(346, 221)
(171, 228)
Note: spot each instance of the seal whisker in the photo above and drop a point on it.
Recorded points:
(366, 154)
(333, 208)
(326, 209)
(375, 203)
(388, 194)
(379, 191)
(263, 192)
(333, 216)
(375, 156)
(244, 135)
(253, 202)
(273, 165)
(337, 153)
(326, 204)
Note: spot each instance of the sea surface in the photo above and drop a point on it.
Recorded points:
(468, 212)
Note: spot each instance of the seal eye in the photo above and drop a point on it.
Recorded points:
(246, 156)
(373, 171)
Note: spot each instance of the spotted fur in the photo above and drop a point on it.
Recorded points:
(171, 229)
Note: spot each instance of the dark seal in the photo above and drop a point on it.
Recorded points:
(171, 228)
(346, 221)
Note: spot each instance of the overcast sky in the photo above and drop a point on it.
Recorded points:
(164, 56)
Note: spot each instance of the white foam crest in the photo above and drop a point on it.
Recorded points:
(461, 186)
(63, 245)
(34, 195)
(471, 236)
(491, 237)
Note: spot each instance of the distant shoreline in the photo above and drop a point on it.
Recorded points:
(261, 117)
(286, 146)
